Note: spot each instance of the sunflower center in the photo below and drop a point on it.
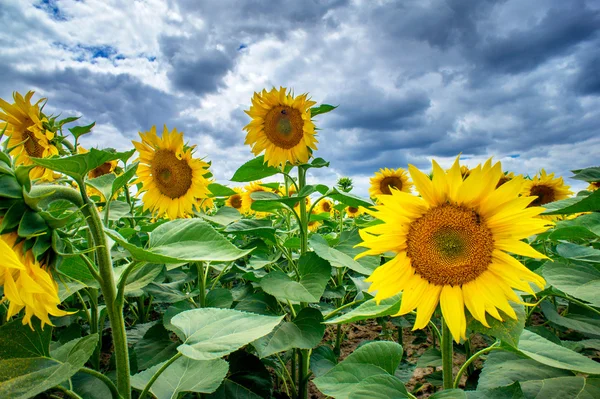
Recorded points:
(503, 179)
(284, 126)
(236, 201)
(326, 207)
(544, 195)
(352, 209)
(33, 148)
(172, 176)
(101, 170)
(390, 181)
(450, 244)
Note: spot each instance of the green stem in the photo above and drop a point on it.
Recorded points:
(471, 360)
(201, 284)
(338, 341)
(157, 374)
(104, 379)
(68, 392)
(114, 309)
(289, 376)
(106, 212)
(303, 214)
(304, 373)
(338, 310)
(447, 354)
(93, 295)
(578, 302)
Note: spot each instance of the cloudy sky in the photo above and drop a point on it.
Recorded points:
(414, 79)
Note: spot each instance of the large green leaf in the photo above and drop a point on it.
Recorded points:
(230, 389)
(373, 359)
(314, 274)
(578, 252)
(588, 174)
(586, 327)
(224, 216)
(181, 241)
(347, 244)
(334, 256)
(508, 330)
(219, 190)
(184, 375)
(141, 275)
(512, 391)
(369, 310)
(10, 187)
(77, 166)
(349, 199)
(553, 355)
(255, 169)
(155, 347)
(580, 281)
(252, 227)
(26, 377)
(562, 388)
(382, 386)
(589, 203)
(322, 109)
(504, 368)
(211, 333)
(248, 371)
(304, 332)
(20, 341)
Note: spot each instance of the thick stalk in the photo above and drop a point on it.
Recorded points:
(109, 289)
(447, 354)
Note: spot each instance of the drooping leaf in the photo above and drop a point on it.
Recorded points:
(578, 252)
(304, 332)
(183, 375)
(255, 169)
(335, 257)
(322, 109)
(219, 190)
(224, 216)
(588, 174)
(369, 310)
(211, 333)
(580, 281)
(79, 131)
(569, 322)
(252, 227)
(588, 203)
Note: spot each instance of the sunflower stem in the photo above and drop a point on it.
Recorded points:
(201, 284)
(114, 308)
(304, 354)
(471, 359)
(447, 355)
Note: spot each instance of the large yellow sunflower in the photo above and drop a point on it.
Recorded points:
(452, 245)
(281, 126)
(24, 126)
(235, 200)
(26, 284)
(546, 188)
(171, 178)
(386, 179)
(247, 200)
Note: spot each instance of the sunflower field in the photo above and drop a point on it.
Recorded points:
(136, 274)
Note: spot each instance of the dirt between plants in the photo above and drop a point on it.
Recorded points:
(372, 331)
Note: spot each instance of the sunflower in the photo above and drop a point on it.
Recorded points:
(307, 201)
(546, 188)
(386, 179)
(235, 200)
(324, 206)
(28, 137)
(506, 177)
(452, 245)
(313, 225)
(247, 200)
(595, 185)
(26, 283)
(281, 127)
(352, 211)
(172, 180)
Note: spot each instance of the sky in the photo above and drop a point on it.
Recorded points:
(413, 80)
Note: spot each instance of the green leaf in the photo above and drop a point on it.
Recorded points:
(349, 199)
(26, 377)
(155, 347)
(318, 163)
(432, 357)
(450, 394)
(20, 341)
(123, 179)
(183, 375)
(314, 274)
(10, 187)
(508, 330)
(219, 190)
(247, 370)
(224, 216)
(578, 252)
(563, 387)
(379, 387)
(572, 233)
(89, 387)
(255, 169)
(335, 257)
(580, 281)
(252, 227)
(182, 241)
(321, 109)
(74, 268)
(347, 244)
(372, 359)
(78, 166)
(589, 203)
(68, 120)
(304, 332)
(322, 359)
(504, 368)
(553, 355)
(512, 391)
(32, 224)
(569, 322)
(13, 216)
(231, 389)
(211, 333)
(142, 275)
(104, 184)
(588, 174)
(369, 310)
(219, 298)
(79, 131)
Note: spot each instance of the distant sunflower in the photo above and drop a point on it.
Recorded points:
(546, 188)
(26, 283)
(352, 211)
(308, 203)
(386, 179)
(324, 206)
(172, 180)
(595, 185)
(247, 200)
(452, 245)
(506, 177)
(235, 200)
(27, 134)
(281, 126)
(314, 225)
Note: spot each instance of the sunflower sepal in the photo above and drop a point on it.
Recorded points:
(22, 175)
